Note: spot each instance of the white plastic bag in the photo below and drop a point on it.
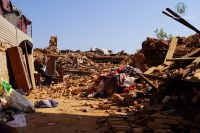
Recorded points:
(17, 101)
(128, 81)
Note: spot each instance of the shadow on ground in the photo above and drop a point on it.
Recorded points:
(60, 123)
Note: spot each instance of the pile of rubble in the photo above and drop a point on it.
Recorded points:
(153, 93)
(153, 51)
(79, 69)
(72, 87)
(164, 98)
(81, 62)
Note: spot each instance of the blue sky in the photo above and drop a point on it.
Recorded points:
(110, 24)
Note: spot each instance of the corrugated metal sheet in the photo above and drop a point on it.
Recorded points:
(11, 34)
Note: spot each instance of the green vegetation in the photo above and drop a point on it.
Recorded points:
(162, 35)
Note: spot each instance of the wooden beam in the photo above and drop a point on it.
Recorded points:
(31, 69)
(19, 68)
(150, 70)
(191, 53)
(182, 59)
(155, 77)
(148, 81)
(190, 67)
(171, 50)
(29, 62)
(30, 65)
(185, 56)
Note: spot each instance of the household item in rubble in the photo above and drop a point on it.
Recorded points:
(46, 104)
(19, 121)
(4, 86)
(14, 99)
(40, 67)
(19, 102)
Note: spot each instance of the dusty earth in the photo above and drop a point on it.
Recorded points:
(71, 116)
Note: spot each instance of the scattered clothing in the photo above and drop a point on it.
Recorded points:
(46, 104)
(19, 121)
(120, 80)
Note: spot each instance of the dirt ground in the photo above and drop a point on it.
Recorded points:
(71, 116)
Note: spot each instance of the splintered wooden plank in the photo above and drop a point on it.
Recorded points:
(29, 62)
(191, 53)
(160, 67)
(30, 66)
(190, 67)
(148, 81)
(19, 68)
(171, 50)
(31, 70)
(185, 56)
(150, 70)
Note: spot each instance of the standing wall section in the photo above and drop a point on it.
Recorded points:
(9, 36)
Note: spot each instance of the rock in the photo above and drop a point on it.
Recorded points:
(104, 106)
(94, 106)
(76, 91)
(117, 98)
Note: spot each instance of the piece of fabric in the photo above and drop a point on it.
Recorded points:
(46, 104)
(19, 121)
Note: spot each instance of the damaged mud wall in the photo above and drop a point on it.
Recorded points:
(4, 68)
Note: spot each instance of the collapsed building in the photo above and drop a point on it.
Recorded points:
(171, 101)
(168, 80)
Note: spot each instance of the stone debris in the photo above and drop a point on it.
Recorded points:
(159, 98)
